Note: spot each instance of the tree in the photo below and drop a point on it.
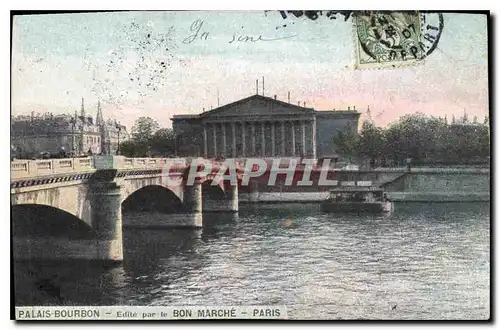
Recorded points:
(163, 142)
(132, 148)
(430, 140)
(483, 143)
(371, 141)
(412, 136)
(347, 143)
(143, 129)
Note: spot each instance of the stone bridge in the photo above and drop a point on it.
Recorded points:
(91, 193)
(72, 208)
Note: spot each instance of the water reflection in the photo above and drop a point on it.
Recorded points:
(217, 223)
(65, 283)
(431, 261)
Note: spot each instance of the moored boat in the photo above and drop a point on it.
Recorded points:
(357, 200)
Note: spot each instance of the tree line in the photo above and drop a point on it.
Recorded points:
(149, 140)
(427, 140)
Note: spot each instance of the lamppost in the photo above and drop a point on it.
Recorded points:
(118, 127)
(73, 123)
(108, 137)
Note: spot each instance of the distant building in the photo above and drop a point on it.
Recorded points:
(262, 127)
(464, 121)
(112, 133)
(464, 127)
(75, 134)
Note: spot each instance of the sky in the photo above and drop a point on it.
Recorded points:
(155, 64)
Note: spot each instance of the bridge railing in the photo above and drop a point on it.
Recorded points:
(429, 170)
(145, 163)
(43, 167)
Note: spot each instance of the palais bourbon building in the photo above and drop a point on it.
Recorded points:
(259, 126)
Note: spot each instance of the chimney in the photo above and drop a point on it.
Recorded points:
(262, 85)
(304, 104)
(257, 86)
(353, 107)
(348, 108)
(203, 109)
(288, 96)
(275, 96)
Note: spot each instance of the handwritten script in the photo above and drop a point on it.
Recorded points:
(198, 33)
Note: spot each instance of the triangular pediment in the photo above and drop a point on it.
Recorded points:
(257, 105)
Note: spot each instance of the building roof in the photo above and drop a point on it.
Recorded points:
(257, 97)
(226, 109)
(336, 113)
(185, 116)
(274, 107)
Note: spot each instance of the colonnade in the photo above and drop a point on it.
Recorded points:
(264, 138)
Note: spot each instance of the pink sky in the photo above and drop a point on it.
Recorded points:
(57, 59)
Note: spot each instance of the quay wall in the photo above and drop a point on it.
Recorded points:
(441, 187)
(417, 185)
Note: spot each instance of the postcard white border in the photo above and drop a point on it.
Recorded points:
(191, 4)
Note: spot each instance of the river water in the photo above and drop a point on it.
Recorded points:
(425, 261)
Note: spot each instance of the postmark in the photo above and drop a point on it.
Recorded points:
(394, 39)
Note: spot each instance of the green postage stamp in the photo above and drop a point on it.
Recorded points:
(393, 39)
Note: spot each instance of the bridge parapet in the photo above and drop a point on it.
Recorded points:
(121, 162)
(434, 170)
(20, 169)
(144, 163)
(29, 169)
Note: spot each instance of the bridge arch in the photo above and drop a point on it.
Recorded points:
(212, 192)
(155, 198)
(219, 198)
(39, 220)
(129, 187)
(75, 200)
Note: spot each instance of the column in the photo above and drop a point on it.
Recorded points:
(243, 137)
(205, 146)
(106, 218)
(262, 141)
(233, 127)
(303, 127)
(231, 197)
(253, 139)
(224, 146)
(253, 193)
(215, 139)
(192, 197)
(193, 204)
(314, 137)
(293, 138)
(283, 138)
(273, 151)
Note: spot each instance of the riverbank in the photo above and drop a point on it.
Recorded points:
(401, 185)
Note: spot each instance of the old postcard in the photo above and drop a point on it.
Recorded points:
(296, 165)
